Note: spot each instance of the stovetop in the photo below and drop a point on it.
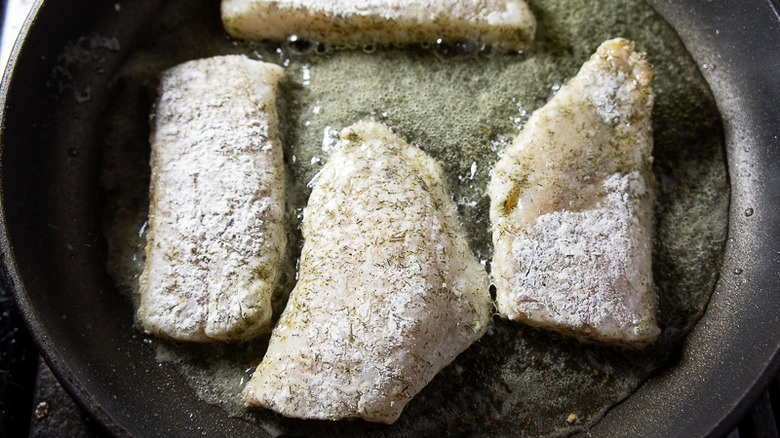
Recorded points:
(33, 404)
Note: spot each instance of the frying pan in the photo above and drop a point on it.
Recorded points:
(53, 252)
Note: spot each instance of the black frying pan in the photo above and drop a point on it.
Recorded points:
(53, 251)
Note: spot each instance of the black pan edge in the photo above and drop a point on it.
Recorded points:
(9, 269)
(11, 275)
(686, 400)
(736, 45)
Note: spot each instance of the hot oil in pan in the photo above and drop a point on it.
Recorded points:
(462, 105)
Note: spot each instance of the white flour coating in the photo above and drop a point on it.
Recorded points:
(560, 253)
(571, 207)
(505, 23)
(389, 291)
(216, 233)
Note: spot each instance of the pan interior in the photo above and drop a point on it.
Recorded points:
(461, 104)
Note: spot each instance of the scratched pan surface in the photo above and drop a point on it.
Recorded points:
(54, 249)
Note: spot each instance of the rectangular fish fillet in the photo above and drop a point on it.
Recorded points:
(509, 24)
(389, 292)
(216, 234)
(572, 204)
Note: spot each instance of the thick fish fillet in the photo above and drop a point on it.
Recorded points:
(389, 292)
(571, 207)
(216, 233)
(508, 24)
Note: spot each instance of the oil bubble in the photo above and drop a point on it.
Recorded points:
(456, 50)
(322, 49)
(487, 50)
(85, 95)
(749, 212)
(297, 46)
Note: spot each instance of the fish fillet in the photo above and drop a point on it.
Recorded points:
(215, 233)
(508, 24)
(389, 291)
(571, 207)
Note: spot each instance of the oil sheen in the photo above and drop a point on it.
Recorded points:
(462, 104)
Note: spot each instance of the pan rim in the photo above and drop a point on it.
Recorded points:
(91, 405)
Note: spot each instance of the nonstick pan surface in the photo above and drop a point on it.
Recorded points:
(54, 256)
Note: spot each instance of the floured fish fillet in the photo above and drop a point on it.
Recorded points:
(216, 233)
(389, 292)
(571, 207)
(508, 24)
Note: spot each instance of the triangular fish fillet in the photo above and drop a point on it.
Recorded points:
(571, 207)
(216, 234)
(508, 24)
(388, 294)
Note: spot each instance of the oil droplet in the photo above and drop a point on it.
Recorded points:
(306, 76)
(749, 212)
(457, 50)
(322, 49)
(487, 50)
(84, 96)
(41, 411)
(142, 230)
(298, 46)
